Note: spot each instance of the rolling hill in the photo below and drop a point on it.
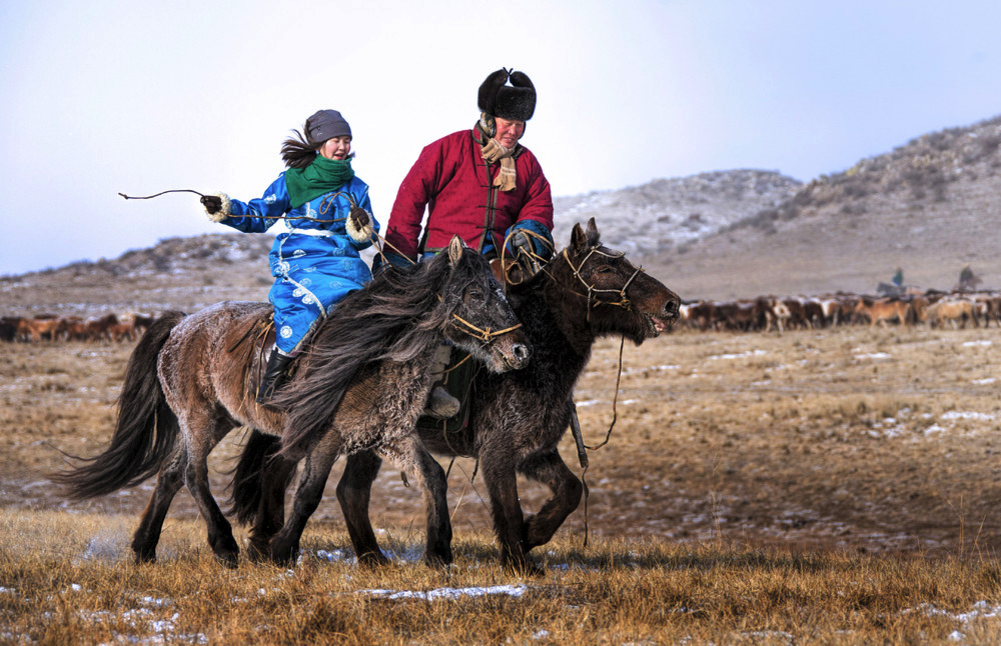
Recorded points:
(928, 206)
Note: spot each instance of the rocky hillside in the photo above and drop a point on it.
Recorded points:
(658, 216)
(177, 273)
(928, 206)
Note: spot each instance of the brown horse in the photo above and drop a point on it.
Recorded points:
(516, 419)
(883, 310)
(360, 385)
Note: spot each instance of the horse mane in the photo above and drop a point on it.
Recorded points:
(398, 315)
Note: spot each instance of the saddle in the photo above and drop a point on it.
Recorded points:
(262, 337)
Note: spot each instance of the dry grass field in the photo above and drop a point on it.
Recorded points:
(828, 486)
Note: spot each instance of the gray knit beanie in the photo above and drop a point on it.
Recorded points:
(326, 124)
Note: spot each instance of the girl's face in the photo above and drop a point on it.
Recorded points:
(336, 147)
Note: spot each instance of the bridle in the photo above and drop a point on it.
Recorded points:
(486, 337)
(592, 301)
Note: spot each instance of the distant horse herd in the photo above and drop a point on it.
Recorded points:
(955, 309)
(47, 327)
(934, 308)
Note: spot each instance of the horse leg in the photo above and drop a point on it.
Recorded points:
(552, 471)
(285, 544)
(201, 440)
(438, 546)
(168, 482)
(354, 493)
(270, 517)
(505, 507)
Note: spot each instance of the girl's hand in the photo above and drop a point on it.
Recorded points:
(217, 207)
(359, 224)
(359, 217)
(212, 203)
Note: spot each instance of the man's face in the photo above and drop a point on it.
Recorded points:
(508, 132)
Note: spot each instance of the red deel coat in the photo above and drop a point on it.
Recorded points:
(452, 180)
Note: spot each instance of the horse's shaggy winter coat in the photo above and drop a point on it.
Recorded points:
(360, 386)
(518, 419)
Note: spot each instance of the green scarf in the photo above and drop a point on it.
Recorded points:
(321, 176)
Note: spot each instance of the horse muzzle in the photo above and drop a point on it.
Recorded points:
(511, 352)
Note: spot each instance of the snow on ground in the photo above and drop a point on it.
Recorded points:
(448, 593)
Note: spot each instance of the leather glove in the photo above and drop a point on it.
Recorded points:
(216, 206)
(359, 217)
(359, 224)
(212, 203)
(524, 252)
(521, 242)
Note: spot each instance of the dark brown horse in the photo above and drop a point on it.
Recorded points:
(360, 386)
(517, 419)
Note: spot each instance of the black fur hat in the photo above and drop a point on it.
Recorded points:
(515, 102)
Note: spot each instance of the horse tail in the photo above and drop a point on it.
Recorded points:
(146, 428)
(260, 474)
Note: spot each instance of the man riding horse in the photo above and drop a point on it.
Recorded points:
(480, 184)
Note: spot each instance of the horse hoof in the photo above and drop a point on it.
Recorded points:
(438, 561)
(524, 569)
(373, 559)
(284, 557)
(257, 553)
(229, 559)
(145, 559)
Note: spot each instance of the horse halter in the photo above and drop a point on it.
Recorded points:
(623, 301)
(487, 336)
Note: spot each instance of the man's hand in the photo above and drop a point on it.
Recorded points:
(520, 242)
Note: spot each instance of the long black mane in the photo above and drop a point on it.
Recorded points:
(398, 315)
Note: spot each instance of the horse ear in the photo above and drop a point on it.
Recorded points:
(592, 233)
(578, 241)
(455, 247)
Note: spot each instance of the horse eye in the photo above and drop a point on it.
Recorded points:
(604, 269)
(475, 293)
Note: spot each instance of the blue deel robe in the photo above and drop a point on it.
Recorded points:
(315, 264)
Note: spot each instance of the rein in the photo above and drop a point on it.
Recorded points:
(593, 302)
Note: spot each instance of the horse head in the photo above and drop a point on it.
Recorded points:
(620, 297)
(482, 321)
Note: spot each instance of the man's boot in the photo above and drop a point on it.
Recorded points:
(274, 374)
(441, 404)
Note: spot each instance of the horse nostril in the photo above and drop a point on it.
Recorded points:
(671, 308)
(522, 352)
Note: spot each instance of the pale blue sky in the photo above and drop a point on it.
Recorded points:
(106, 97)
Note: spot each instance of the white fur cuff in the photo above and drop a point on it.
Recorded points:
(364, 234)
(224, 212)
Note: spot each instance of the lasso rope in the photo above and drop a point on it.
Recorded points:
(325, 205)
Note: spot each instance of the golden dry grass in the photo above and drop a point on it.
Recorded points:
(834, 486)
(66, 581)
